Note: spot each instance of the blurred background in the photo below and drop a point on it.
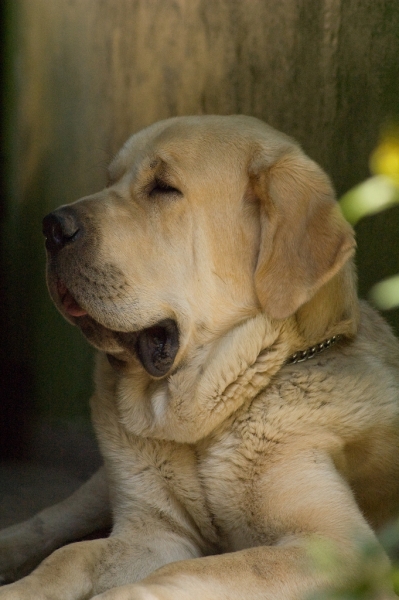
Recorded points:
(78, 78)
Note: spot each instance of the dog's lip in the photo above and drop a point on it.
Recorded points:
(68, 302)
(155, 346)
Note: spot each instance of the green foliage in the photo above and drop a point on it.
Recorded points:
(373, 581)
(374, 195)
(370, 577)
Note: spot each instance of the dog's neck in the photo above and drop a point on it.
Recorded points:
(209, 387)
(219, 377)
(215, 378)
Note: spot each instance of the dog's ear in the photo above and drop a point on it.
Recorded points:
(304, 238)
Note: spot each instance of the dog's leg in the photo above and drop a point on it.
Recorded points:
(302, 499)
(25, 545)
(309, 502)
(80, 570)
(262, 573)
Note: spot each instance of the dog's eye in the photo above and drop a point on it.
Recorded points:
(160, 187)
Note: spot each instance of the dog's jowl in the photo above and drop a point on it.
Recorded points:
(246, 401)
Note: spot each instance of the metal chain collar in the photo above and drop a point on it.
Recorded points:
(303, 355)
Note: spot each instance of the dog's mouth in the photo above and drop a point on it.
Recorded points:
(155, 346)
(70, 305)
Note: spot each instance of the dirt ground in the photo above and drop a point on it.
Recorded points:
(62, 456)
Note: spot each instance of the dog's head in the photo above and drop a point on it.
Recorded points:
(206, 221)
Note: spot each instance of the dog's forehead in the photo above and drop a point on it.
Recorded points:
(195, 139)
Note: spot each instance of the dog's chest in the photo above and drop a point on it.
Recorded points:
(232, 466)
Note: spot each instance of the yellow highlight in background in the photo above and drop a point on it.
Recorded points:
(385, 159)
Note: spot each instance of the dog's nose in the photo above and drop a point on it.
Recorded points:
(60, 227)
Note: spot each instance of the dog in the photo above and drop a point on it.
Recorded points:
(246, 402)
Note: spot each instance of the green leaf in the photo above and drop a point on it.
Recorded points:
(370, 197)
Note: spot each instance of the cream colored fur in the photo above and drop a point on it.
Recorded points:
(225, 472)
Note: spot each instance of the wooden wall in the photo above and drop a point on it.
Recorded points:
(82, 75)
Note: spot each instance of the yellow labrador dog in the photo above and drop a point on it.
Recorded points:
(246, 403)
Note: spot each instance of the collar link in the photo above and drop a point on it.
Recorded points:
(303, 355)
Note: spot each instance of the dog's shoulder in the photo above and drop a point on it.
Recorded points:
(353, 383)
(344, 393)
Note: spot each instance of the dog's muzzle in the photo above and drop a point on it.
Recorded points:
(155, 346)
